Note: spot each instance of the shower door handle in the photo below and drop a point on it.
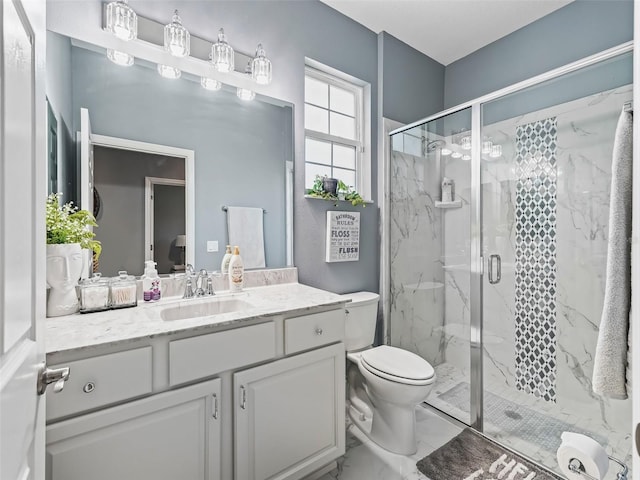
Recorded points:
(497, 261)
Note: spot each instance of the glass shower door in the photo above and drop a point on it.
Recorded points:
(545, 186)
(430, 253)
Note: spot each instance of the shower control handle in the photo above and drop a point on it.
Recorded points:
(497, 261)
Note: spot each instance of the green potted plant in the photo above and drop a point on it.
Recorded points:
(342, 192)
(67, 234)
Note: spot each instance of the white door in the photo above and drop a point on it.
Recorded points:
(22, 245)
(86, 177)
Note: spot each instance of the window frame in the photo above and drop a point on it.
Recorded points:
(361, 91)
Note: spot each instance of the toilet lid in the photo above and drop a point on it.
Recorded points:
(397, 364)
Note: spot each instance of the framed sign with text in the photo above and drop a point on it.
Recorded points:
(343, 237)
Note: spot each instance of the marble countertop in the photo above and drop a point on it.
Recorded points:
(80, 331)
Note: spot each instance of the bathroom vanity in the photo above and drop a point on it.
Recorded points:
(246, 386)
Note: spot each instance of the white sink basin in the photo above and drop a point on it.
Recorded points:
(214, 306)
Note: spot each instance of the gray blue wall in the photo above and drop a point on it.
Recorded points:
(578, 30)
(413, 83)
(240, 147)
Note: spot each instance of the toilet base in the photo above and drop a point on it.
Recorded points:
(394, 431)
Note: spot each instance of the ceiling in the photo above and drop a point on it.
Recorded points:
(446, 30)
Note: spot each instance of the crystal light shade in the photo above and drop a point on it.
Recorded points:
(456, 155)
(210, 83)
(465, 143)
(222, 54)
(177, 40)
(119, 58)
(245, 94)
(496, 151)
(169, 72)
(261, 67)
(122, 21)
(486, 147)
(445, 151)
(466, 157)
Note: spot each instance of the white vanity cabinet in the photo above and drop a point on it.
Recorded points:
(168, 436)
(289, 415)
(263, 400)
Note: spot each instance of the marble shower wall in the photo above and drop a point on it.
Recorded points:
(585, 133)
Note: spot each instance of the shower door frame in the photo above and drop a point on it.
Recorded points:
(477, 260)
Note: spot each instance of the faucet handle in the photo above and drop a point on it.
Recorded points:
(188, 288)
(209, 290)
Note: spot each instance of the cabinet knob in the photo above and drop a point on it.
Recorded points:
(89, 387)
(318, 331)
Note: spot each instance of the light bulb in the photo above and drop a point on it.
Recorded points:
(261, 67)
(122, 21)
(210, 83)
(445, 152)
(456, 155)
(496, 151)
(120, 58)
(222, 55)
(169, 72)
(177, 40)
(245, 94)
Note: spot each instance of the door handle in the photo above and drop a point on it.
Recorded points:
(243, 397)
(497, 261)
(57, 376)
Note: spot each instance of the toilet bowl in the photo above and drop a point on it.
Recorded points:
(385, 383)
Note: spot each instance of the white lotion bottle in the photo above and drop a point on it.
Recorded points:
(236, 271)
(224, 266)
(151, 290)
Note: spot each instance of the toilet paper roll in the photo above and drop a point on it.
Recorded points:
(590, 453)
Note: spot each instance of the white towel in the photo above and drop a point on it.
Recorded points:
(245, 226)
(609, 369)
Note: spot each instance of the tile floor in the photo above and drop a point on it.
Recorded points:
(364, 460)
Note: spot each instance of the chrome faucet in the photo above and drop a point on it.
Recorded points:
(203, 283)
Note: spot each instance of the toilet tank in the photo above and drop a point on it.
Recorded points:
(360, 323)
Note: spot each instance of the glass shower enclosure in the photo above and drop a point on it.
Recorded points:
(499, 222)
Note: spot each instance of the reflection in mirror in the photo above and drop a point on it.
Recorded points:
(243, 152)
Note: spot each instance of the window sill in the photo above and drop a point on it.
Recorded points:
(366, 202)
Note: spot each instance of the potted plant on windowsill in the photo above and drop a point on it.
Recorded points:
(341, 192)
(67, 235)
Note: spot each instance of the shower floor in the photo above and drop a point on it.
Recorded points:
(521, 421)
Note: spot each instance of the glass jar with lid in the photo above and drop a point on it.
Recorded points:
(94, 294)
(123, 290)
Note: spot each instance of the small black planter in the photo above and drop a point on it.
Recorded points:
(330, 185)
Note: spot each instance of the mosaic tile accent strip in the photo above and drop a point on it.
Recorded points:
(536, 341)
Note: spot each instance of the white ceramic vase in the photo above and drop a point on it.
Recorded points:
(64, 267)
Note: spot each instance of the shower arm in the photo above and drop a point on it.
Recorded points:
(576, 466)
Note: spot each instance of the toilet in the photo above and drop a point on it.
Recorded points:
(385, 384)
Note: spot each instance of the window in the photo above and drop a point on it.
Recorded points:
(335, 131)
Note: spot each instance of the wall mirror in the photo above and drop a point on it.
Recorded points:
(121, 131)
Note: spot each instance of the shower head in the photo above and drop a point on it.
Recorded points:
(433, 145)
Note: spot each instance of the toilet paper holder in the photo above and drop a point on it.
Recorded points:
(576, 466)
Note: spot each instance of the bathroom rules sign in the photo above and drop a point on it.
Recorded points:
(343, 237)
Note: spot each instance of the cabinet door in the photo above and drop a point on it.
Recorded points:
(167, 436)
(289, 415)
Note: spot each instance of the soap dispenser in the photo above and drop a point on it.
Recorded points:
(151, 289)
(236, 271)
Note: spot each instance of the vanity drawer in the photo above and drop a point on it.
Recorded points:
(206, 355)
(312, 331)
(99, 381)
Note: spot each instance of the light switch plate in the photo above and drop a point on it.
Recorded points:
(212, 246)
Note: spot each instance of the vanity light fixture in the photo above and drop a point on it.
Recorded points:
(496, 151)
(456, 155)
(120, 58)
(210, 83)
(261, 67)
(169, 72)
(466, 157)
(445, 152)
(122, 21)
(245, 94)
(486, 147)
(222, 55)
(465, 142)
(177, 40)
